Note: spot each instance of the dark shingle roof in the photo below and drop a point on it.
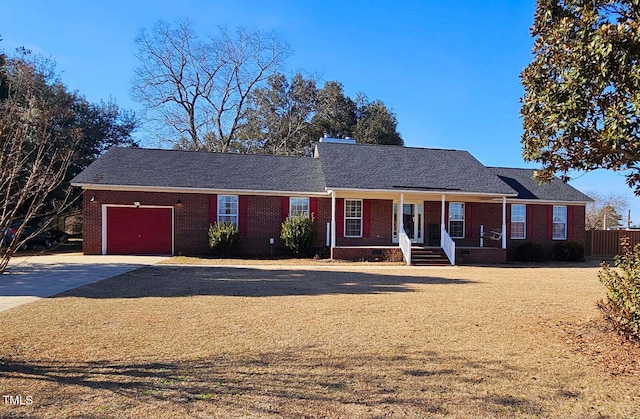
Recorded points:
(347, 166)
(522, 181)
(366, 166)
(190, 169)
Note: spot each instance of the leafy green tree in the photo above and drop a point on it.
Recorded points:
(581, 106)
(376, 123)
(335, 114)
(278, 117)
(286, 117)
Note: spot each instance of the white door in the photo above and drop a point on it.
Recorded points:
(413, 221)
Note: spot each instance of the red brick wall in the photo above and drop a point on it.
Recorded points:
(380, 219)
(191, 220)
(264, 222)
(265, 218)
(537, 229)
(362, 253)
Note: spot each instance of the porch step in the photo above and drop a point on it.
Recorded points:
(428, 256)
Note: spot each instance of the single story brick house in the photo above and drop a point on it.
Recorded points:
(365, 199)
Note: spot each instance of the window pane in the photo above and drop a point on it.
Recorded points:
(560, 222)
(456, 211)
(352, 218)
(559, 214)
(559, 231)
(228, 208)
(299, 206)
(518, 221)
(518, 213)
(352, 227)
(353, 208)
(456, 229)
(517, 231)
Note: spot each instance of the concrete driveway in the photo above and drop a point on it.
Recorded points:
(30, 278)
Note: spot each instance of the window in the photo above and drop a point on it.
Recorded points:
(559, 222)
(228, 208)
(299, 206)
(456, 220)
(518, 221)
(353, 218)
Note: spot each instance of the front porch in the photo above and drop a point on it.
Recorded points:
(371, 226)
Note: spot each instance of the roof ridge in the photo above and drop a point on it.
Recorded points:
(397, 146)
(222, 153)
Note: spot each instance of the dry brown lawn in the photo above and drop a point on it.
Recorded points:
(321, 340)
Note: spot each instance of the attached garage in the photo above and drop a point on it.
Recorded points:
(135, 230)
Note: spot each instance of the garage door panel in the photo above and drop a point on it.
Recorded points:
(139, 230)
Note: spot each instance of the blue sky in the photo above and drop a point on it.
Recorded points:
(449, 70)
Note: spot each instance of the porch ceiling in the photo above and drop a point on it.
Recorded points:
(418, 196)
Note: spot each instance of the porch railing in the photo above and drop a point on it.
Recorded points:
(405, 245)
(448, 245)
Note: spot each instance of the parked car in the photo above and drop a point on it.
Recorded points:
(57, 236)
(43, 239)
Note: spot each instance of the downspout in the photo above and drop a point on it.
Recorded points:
(333, 222)
(504, 222)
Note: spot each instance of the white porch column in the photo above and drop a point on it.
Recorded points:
(333, 221)
(442, 220)
(401, 215)
(504, 222)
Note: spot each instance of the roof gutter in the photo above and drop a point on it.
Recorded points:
(136, 188)
(426, 191)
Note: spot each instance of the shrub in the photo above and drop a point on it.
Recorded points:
(530, 252)
(568, 252)
(298, 233)
(393, 255)
(622, 307)
(224, 238)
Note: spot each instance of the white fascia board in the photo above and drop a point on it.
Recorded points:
(544, 202)
(128, 188)
(424, 192)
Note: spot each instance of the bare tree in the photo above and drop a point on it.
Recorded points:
(605, 211)
(199, 89)
(37, 144)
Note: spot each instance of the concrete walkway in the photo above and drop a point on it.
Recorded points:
(30, 278)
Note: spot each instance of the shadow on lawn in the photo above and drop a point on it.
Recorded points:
(180, 281)
(293, 383)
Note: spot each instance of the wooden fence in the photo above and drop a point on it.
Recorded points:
(603, 243)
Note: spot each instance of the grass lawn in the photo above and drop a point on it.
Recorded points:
(321, 340)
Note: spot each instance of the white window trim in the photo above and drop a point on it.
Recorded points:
(524, 222)
(464, 222)
(237, 215)
(291, 198)
(353, 218)
(553, 222)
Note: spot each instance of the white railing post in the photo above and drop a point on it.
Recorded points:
(405, 245)
(448, 245)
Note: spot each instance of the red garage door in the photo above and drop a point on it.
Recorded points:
(139, 231)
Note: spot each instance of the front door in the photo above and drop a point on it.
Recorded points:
(412, 219)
